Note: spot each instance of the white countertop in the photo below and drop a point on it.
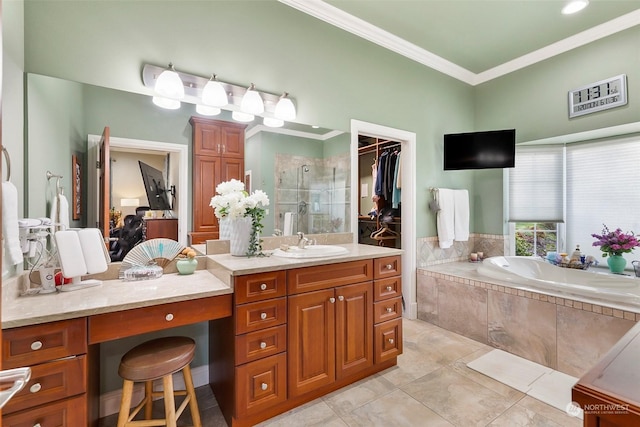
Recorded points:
(112, 295)
(116, 295)
(224, 266)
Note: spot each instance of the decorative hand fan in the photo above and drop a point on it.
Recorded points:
(160, 251)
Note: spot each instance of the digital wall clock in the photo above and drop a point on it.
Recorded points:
(598, 96)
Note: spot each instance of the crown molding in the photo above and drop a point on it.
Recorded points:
(338, 18)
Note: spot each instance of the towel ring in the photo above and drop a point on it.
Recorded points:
(5, 153)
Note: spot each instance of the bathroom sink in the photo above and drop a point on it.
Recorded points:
(311, 251)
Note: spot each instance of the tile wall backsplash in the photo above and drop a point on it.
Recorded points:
(430, 253)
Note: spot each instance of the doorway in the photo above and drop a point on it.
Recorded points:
(408, 197)
(178, 174)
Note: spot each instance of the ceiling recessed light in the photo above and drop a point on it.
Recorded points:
(574, 6)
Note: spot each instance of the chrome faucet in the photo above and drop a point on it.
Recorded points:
(303, 241)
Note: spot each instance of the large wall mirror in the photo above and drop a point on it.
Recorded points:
(304, 170)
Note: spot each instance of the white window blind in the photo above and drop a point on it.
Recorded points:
(602, 187)
(536, 185)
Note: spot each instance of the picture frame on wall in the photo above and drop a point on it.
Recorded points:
(247, 181)
(76, 173)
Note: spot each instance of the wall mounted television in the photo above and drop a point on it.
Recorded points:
(155, 186)
(480, 150)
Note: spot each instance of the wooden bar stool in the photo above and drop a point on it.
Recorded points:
(151, 360)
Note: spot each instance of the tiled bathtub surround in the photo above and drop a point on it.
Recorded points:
(564, 334)
(430, 253)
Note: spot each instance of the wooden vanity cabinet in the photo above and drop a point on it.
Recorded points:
(387, 308)
(263, 364)
(56, 394)
(218, 156)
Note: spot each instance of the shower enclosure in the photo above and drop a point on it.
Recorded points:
(313, 193)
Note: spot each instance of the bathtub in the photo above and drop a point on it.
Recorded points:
(534, 273)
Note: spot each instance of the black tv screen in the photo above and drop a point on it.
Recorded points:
(480, 150)
(155, 187)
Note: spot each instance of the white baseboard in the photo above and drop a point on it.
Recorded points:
(110, 401)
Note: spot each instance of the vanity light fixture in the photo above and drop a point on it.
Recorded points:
(272, 122)
(211, 92)
(214, 94)
(285, 110)
(239, 116)
(252, 101)
(206, 110)
(574, 6)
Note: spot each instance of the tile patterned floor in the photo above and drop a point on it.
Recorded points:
(430, 386)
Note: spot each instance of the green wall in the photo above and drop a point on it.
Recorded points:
(534, 101)
(333, 76)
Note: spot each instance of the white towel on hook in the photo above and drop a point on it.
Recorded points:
(60, 211)
(461, 215)
(287, 229)
(10, 228)
(445, 217)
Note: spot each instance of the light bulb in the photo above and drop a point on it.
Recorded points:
(242, 117)
(273, 123)
(574, 6)
(252, 101)
(205, 110)
(169, 104)
(214, 94)
(169, 84)
(285, 109)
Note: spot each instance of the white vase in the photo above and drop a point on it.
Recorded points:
(240, 235)
(225, 228)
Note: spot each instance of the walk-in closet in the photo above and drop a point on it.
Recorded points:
(379, 192)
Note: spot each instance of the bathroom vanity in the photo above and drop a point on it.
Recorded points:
(282, 331)
(303, 328)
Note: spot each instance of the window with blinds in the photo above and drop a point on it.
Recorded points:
(536, 185)
(603, 187)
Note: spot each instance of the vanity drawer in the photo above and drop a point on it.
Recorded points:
(69, 412)
(258, 287)
(384, 289)
(30, 345)
(261, 384)
(387, 310)
(259, 315)
(126, 323)
(387, 340)
(49, 382)
(259, 344)
(328, 276)
(387, 267)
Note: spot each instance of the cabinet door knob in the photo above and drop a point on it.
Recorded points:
(36, 345)
(341, 298)
(263, 316)
(37, 425)
(224, 148)
(390, 340)
(35, 388)
(264, 386)
(218, 148)
(389, 266)
(263, 287)
(332, 300)
(263, 345)
(389, 288)
(168, 317)
(389, 309)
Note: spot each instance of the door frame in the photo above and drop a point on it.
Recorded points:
(408, 197)
(179, 156)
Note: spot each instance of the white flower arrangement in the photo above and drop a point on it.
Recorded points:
(234, 202)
